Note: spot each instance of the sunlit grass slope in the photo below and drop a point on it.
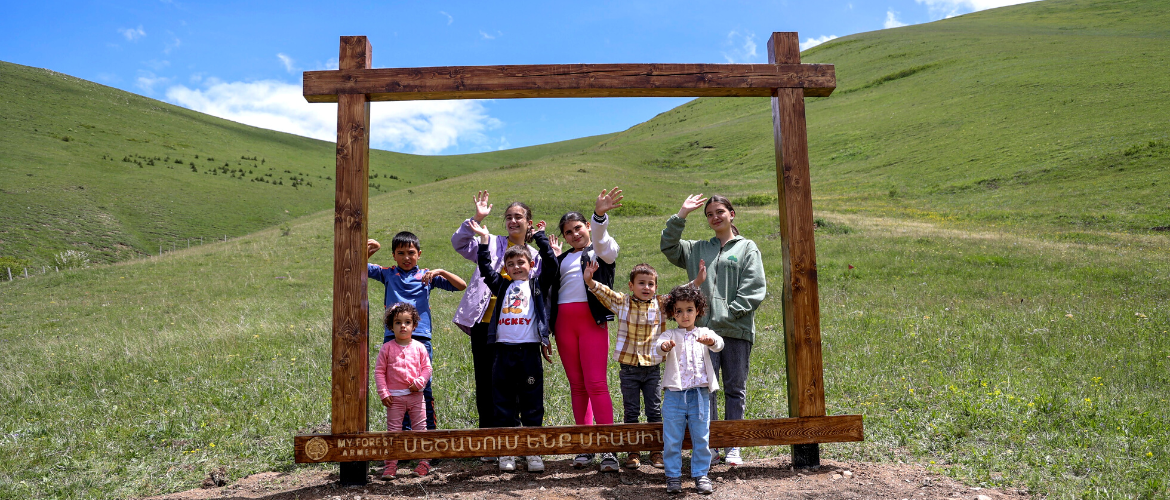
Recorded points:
(1053, 113)
(88, 167)
(1014, 333)
(1006, 359)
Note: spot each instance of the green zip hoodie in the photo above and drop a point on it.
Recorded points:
(735, 283)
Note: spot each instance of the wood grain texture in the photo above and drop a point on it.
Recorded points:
(564, 440)
(802, 328)
(570, 80)
(350, 367)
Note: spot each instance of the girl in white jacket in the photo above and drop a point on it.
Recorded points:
(688, 379)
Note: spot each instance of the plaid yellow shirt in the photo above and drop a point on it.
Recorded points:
(639, 323)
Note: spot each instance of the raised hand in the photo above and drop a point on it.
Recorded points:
(480, 231)
(372, 247)
(482, 207)
(587, 273)
(607, 201)
(689, 205)
(540, 226)
(667, 346)
(555, 243)
(702, 274)
(706, 340)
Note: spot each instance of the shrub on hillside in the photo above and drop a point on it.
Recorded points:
(71, 259)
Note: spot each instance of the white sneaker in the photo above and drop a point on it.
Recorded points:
(582, 460)
(535, 464)
(609, 463)
(507, 464)
(732, 457)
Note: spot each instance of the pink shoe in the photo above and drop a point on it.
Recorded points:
(390, 469)
(424, 468)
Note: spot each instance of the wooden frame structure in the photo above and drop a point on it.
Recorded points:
(355, 84)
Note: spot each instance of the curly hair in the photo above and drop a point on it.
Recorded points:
(396, 309)
(686, 293)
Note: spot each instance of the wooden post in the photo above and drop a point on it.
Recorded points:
(351, 315)
(802, 326)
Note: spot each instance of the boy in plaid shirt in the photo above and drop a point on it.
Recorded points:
(640, 319)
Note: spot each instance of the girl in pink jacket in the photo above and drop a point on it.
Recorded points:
(401, 372)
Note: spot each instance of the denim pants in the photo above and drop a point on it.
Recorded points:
(732, 361)
(638, 383)
(681, 411)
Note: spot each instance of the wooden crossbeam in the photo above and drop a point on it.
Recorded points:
(521, 441)
(570, 80)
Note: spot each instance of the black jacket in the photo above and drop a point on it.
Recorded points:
(549, 277)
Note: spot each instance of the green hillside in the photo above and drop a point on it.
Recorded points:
(1002, 321)
(88, 167)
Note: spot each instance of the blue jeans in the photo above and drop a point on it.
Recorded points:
(683, 410)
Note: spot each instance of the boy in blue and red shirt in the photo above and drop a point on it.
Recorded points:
(407, 283)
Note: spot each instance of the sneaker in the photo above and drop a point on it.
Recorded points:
(656, 460)
(582, 460)
(674, 485)
(507, 464)
(703, 485)
(633, 460)
(389, 468)
(424, 468)
(715, 458)
(732, 457)
(609, 463)
(488, 460)
(535, 464)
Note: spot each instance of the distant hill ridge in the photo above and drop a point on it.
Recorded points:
(1051, 114)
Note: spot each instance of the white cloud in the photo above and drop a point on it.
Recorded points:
(813, 42)
(156, 64)
(172, 45)
(147, 80)
(950, 8)
(892, 20)
(420, 127)
(449, 18)
(132, 34)
(287, 62)
(741, 47)
(486, 36)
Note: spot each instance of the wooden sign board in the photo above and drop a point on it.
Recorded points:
(356, 83)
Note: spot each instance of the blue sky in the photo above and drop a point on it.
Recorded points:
(243, 60)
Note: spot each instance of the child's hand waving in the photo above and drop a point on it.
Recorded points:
(540, 226)
(587, 273)
(608, 201)
(430, 275)
(706, 340)
(555, 243)
(482, 207)
(689, 205)
(666, 346)
(372, 246)
(480, 231)
(701, 276)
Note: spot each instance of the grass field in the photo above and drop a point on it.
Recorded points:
(1005, 318)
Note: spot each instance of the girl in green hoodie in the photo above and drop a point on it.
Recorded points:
(735, 287)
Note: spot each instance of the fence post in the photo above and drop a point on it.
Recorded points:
(200, 240)
(56, 269)
(26, 272)
(9, 273)
(160, 250)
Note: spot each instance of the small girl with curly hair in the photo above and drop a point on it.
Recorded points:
(401, 373)
(688, 380)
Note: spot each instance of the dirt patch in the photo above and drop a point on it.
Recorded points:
(771, 478)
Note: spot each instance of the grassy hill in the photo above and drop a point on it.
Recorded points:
(1009, 335)
(88, 167)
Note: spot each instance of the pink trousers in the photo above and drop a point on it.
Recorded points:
(584, 349)
(399, 406)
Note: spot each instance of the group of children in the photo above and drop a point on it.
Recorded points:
(510, 310)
